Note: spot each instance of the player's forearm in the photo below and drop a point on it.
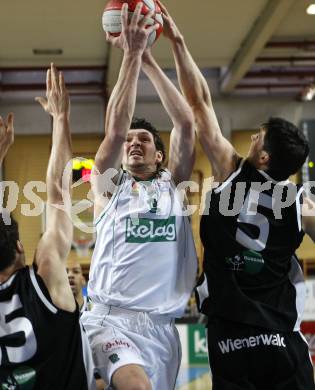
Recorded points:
(3, 153)
(6, 136)
(191, 80)
(61, 155)
(122, 102)
(172, 100)
(196, 91)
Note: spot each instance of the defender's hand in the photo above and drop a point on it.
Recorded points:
(57, 102)
(170, 30)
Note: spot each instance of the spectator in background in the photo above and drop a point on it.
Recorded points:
(77, 282)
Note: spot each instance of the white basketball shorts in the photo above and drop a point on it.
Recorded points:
(119, 337)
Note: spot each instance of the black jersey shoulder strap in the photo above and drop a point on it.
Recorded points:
(41, 289)
(232, 176)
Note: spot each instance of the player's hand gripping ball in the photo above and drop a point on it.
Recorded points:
(112, 16)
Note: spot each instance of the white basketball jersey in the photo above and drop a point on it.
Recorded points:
(144, 257)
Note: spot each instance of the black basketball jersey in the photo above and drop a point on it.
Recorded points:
(251, 274)
(41, 347)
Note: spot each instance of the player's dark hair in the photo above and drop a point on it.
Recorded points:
(140, 123)
(9, 235)
(287, 147)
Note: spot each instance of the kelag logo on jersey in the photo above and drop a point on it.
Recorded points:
(248, 261)
(150, 230)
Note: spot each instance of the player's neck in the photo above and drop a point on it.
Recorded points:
(79, 298)
(9, 271)
(142, 175)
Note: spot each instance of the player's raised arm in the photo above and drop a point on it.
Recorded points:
(132, 40)
(6, 136)
(182, 143)
(219, 150)
(55, 244)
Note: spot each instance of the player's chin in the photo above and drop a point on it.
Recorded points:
(73, 289)
(135, 162)
(135, 158)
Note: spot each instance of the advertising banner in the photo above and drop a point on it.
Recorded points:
(198, 352)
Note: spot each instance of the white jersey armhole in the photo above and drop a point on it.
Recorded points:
(296, 278)
(117, 190)
(203, 291)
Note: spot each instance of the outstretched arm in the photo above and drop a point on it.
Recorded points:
(219, 150)
(182, 143)
(121, 105)
(6, 136)
(54, 246)
(132, 40)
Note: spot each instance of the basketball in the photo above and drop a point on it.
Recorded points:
(111, 17)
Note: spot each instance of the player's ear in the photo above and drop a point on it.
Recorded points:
(159, 156)
(19, 247)
(264, 157)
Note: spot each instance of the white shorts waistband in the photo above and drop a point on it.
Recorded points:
(100, 309)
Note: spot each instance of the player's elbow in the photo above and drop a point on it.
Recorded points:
(187, 126)
(200, 108)
(188, 120)
(54, 191)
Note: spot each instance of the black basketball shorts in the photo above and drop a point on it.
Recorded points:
(243, 357)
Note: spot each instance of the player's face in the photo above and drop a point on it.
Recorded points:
(256, 150)
(75, 276)
(140, 151)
